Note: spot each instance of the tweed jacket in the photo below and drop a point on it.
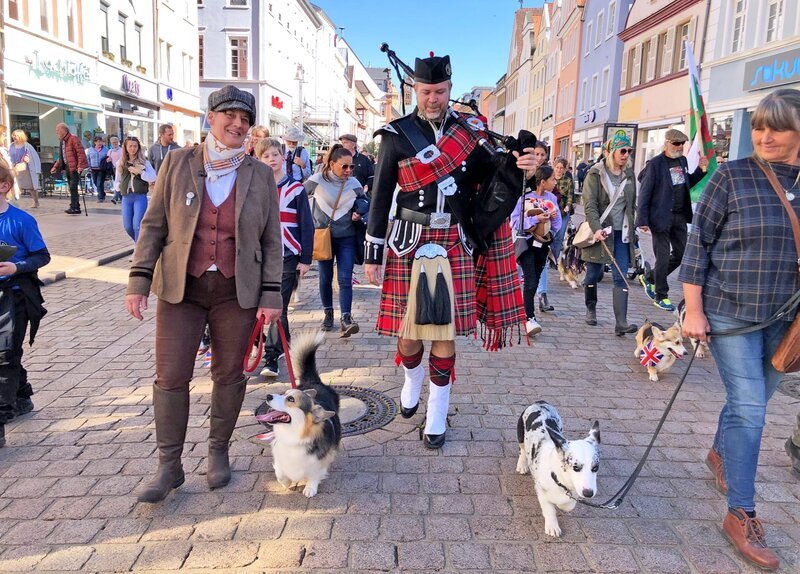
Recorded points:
(595, 201)
(161, 258)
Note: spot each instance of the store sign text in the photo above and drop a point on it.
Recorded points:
(130, 85)
(277, 102)
(64, 70)
(772, 71)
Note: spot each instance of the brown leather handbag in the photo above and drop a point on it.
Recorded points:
(786, 358)
(323, 248)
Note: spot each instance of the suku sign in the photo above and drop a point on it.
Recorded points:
(64, 70)
(771, 71)
(130, 85)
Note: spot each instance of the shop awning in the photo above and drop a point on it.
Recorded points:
(54, 101)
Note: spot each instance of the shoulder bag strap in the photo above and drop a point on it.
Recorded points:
(612, 200)
(336, 204)
(788, 206)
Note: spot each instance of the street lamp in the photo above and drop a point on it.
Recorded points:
(300, 76)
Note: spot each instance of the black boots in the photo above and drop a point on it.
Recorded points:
(327, 322)
(171, 417)
(544, 304)
(349, 327)
(621, 312)
(590, 297)
(226, 402)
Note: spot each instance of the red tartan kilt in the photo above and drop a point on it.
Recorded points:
(397, 279)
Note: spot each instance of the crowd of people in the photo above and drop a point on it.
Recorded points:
(210, 249)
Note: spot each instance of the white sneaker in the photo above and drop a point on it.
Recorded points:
(532, 327)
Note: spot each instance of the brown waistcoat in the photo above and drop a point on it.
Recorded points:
(214, 241)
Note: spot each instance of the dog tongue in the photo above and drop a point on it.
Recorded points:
(266, 437)
(274, 417)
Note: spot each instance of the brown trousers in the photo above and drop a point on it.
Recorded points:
(179, 327)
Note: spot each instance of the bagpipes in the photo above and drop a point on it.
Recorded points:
(498, 194)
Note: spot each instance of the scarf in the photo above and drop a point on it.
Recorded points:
(325, 193)
(219, 159)
(614, 193)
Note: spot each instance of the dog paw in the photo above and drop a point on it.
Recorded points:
(285, 482)
(552, 529)
(310, 490)
(654, 378)
(522, 467)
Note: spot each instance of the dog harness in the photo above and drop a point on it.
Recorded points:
(650, 356)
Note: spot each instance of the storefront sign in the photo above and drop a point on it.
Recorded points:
(130, 85)
(277, 102)
(63, 70)
(589, 117)
(630, 130)
(771, 71)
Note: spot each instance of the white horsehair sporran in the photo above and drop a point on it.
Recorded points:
(430, 311)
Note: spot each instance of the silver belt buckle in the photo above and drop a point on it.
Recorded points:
(440, 220)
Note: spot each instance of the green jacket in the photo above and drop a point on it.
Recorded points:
(595, 201)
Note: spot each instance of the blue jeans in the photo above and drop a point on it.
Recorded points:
(133, 207)
(344, 253)
(622, 253)
(745, 367)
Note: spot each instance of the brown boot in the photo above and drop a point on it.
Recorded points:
(226, 402)
(714, 462)
(747, 536)
(171, 416)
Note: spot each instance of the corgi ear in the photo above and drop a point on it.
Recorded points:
(657, 333)
(594, 433)
(321, 414)
(311, 393)
(557, 438)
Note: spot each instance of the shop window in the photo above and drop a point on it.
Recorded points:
(774, 20)
(238, 57)
(721, 128)
(13, 9)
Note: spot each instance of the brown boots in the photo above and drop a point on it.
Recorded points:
(172, 416)
(747, 536)
(226, 402)
(714, 462)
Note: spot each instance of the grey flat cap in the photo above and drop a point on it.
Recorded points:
(674, 135)
(232, 98)
(349, 137)
(293, 134)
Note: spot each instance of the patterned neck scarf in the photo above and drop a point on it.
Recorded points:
(218, 159)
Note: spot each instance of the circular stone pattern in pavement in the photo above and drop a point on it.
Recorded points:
(360, 410)
(791, 387)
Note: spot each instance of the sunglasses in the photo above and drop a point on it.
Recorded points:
(625, 151)
(677, 144)
(348, 166)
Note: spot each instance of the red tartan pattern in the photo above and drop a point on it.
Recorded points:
(498, 294)
(455, 145)
(397, 280)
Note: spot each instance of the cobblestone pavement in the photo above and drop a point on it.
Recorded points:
(69, 471)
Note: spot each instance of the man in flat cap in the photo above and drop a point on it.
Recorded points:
(665, 209)
(364, 170)
(210, 249)
(433, 290)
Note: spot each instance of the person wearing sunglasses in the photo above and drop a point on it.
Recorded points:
(336, 194)
(609, 202)
(665, 209)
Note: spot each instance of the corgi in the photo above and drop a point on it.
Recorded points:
(570, 267)
(704, 350)
(658, 348)
(563, 471)
(305, 422)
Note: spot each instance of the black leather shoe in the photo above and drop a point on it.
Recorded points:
(72, 211)
(24, 406)
(408, 413)
(433, 441)
(620, 331)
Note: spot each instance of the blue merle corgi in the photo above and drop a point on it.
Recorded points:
(563, 471)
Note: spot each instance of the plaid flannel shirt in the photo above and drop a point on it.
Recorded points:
(741, 249)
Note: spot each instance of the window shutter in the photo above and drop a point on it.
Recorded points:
(623, 79)
(652, 54)
(636, 70)
(669, 48)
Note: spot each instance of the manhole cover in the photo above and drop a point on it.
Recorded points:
(360, 410)
(791, 387)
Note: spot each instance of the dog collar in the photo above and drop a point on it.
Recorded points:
(566, 490)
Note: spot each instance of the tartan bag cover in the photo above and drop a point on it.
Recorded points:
(454, 147)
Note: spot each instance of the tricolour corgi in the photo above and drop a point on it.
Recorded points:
(305, 422)
(570, 266)
(563, 471)
(658, 348)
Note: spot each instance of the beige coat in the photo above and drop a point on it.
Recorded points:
(165, 238)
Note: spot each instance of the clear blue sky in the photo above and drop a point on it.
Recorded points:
(475, 33)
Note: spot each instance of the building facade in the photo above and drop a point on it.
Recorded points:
(551, 77)
(519, 69)
(751, 48)
(538, 73)
(599, 74)
(654, 82)
(567, 28)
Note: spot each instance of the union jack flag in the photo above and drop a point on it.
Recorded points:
(287, 194)
(649, 356)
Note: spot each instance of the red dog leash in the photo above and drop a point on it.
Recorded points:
(257, 338)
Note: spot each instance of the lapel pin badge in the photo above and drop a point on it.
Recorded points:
(189, 198)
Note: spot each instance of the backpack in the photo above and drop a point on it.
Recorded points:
(290, 164)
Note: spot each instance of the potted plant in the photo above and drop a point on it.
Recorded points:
(127, 63)
(141, 69)
(109, 55)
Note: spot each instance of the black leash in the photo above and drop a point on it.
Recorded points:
(614, 502)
